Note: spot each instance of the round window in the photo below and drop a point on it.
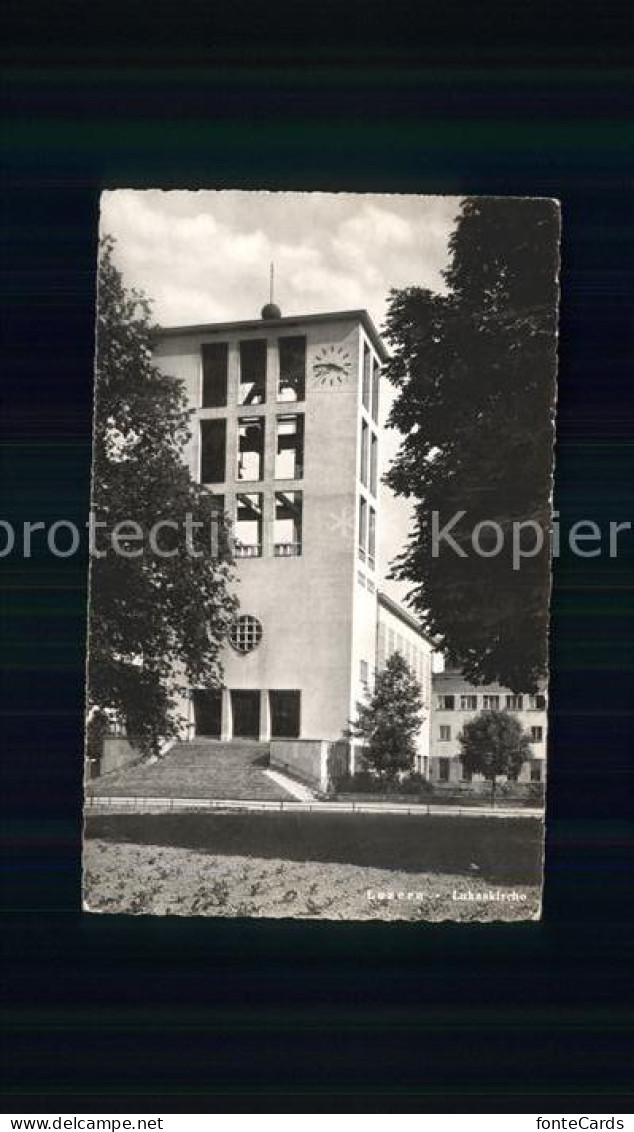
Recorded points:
(246, 633)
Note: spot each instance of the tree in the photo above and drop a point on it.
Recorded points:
(493, 743)
(157, 620)
(390, 721)
(474, 371)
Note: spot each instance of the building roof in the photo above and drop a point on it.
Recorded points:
(405, 616)
(286, 323)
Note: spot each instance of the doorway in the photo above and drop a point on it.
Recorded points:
(246, 714)
(208, 712)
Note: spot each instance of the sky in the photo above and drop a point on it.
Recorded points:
(204, 257)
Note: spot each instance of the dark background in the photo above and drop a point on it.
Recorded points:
(109, 1013)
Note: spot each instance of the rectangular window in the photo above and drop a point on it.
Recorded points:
(364, 453)
(364, 674)
(513, 703)
(292, 359)
(288, 524)
(536, 772)
(250, 448)
(537, 703)
(371, 537)
(215, 358)
(248, 540)
(363, 527)
(252, 388)
(443, 770)
(390, 642)
(213, 448)
(445, 733)
(468, 703)
(367, 362)
(466, 775)
(491, 703)
(537, 734)
(289, 455)
(376, 374)
(374, 464)
(446, 703)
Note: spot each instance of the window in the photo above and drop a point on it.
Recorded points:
(288, 524)
(250, 448)
(213, 447)
(364, 453)
(390, 642)
(371, 536)
(536, 772)
(446, 703)
(374, 467)
(512, 776)
(468, 703)
(467, 775)
(491, 703)
(513, 703)
(289, 456)
(248, 541)
(445, 733)
(537, 734)
(292, 379)
(367, 362)
(215, 369)
(363, 522)
(245, 633)
(443, 770)
(376, 375)
(364, 674)
(537, 703)
(361, 578)
(252, 389)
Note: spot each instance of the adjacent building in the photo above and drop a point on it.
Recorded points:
(455, 701)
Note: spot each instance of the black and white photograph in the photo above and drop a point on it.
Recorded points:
(321, 536)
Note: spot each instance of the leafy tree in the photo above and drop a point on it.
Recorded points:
(474, 371)
(157, 621)
(493, 743)
(390, 721)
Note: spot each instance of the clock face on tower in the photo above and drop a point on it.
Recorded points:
(331, 368)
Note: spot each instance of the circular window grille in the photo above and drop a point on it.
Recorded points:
(246, 633)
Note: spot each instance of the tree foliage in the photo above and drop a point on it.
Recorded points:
(492, 744)
(474, 370)
(389, 723)
(156, 622)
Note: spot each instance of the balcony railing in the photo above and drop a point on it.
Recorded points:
(288, 549)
